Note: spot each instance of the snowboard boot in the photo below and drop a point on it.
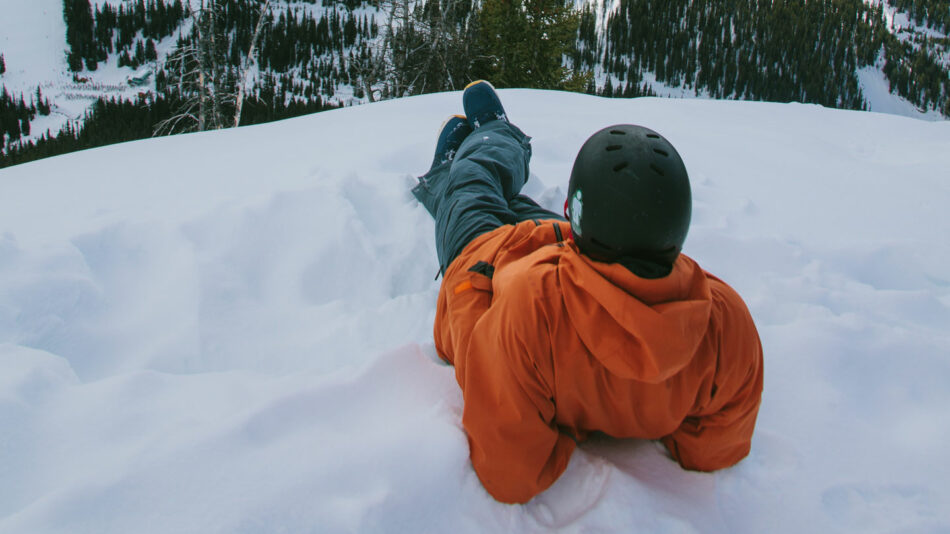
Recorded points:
(454, 130)
(481, 104)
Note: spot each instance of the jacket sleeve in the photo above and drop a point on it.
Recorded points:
(723, 436)
(716, 441)
(516, 448)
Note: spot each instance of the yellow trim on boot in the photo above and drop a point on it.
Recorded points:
(476, 82)
(450, 117)
(455, 116)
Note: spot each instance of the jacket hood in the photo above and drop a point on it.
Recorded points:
(638, 328)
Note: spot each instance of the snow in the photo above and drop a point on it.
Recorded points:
(231, 331)
(32, 40)
(876, 90)
(33, 44)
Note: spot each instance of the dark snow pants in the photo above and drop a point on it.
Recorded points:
(479, 190)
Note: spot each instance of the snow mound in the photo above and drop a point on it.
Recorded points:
(231, 331)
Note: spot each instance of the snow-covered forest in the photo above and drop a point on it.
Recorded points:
(77, 74)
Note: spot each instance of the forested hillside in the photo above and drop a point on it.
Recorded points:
(785, 50)
(933, 13)
(239, 62)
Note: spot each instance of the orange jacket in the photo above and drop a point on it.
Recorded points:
(549, 345)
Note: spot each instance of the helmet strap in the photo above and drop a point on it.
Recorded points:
(570, 232)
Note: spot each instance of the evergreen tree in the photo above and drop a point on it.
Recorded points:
(139, 56)
(13, 129)
(151, 54)
(525, 41)
(421, 49)
(80, 34)
(42, 105)
(3, 65)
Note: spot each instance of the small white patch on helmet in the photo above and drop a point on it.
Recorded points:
(577, 210)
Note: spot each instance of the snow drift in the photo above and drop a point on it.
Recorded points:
(231, 331)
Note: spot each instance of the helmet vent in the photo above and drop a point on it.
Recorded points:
(618, 132)
(653, 136)
(661, 152)
(611, 148)
(657, 170)
(621, 166)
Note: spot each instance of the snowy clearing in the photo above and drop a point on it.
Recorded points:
(231, 331)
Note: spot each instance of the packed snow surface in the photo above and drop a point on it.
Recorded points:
(231, 331)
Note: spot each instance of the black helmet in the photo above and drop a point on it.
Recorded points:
(629, 199)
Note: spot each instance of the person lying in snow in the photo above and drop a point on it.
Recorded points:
(561, 327)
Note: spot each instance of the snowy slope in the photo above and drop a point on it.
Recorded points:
(231, 331)
(33, 42)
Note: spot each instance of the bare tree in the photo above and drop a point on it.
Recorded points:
(447, 48)
(371, 68)
(186, 71)
(423, 47)
(376, 66)
(204, 82)
(248, 62)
